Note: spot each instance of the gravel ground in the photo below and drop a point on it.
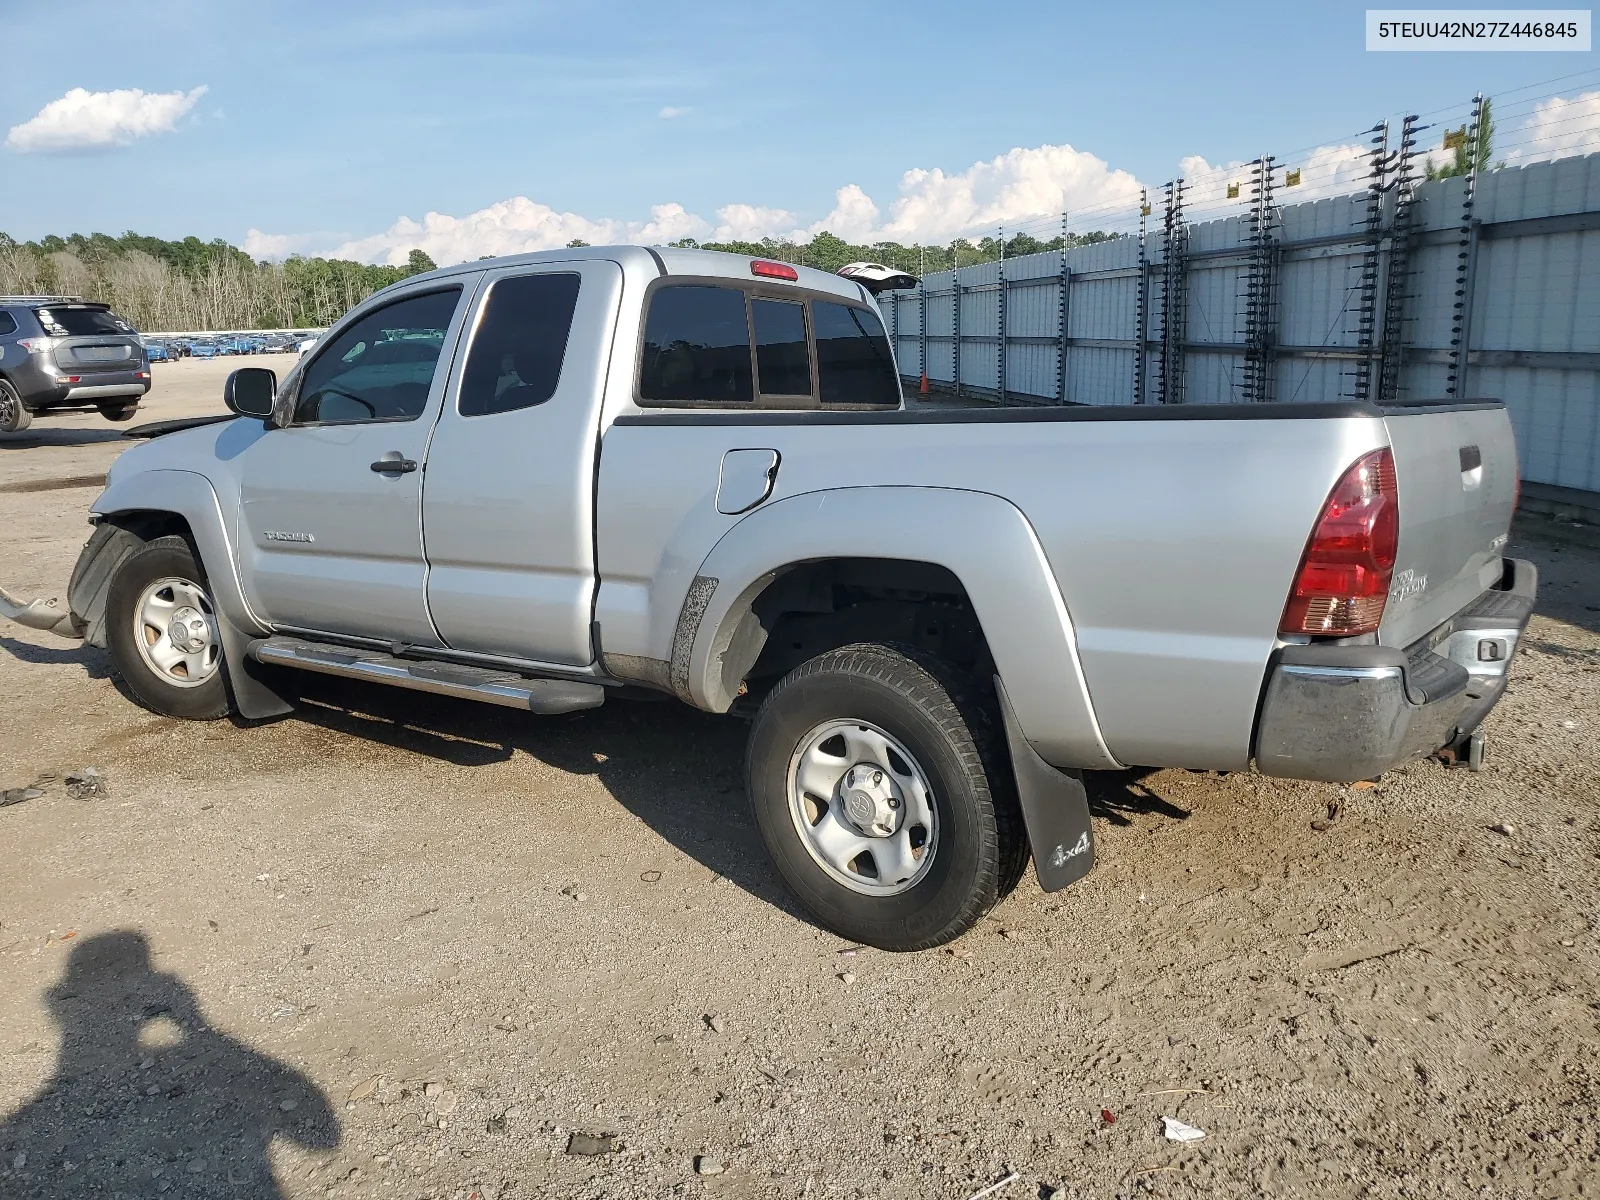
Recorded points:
(408, 947)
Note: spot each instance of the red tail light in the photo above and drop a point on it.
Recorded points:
(774, 270)
(1343, 579)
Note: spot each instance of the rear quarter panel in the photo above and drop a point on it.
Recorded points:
(1173, 542)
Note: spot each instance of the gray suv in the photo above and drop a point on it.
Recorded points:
(62, 352)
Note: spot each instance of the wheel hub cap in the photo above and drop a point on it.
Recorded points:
(871, 800)
(189, 630)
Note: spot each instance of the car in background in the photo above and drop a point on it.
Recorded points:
(63, 352)
(203, 349)
(159, 352)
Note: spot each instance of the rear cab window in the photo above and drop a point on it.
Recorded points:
(81, 320)
(721, 344)
(521, 341)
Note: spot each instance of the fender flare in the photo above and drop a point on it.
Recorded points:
(189, 495)
(983, 539)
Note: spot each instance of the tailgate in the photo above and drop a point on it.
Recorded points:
(1456, 469)
(98, 352)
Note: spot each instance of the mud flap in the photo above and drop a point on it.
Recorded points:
(1055, 808)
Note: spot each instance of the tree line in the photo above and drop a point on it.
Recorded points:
(829, 253)
(162, 285)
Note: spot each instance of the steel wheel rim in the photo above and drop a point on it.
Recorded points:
(839, 810)
(175, 630)
(10, 405)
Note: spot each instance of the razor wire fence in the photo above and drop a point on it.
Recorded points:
(1422, 257)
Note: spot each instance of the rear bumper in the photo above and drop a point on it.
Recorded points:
(1341, 713)
(42, 388)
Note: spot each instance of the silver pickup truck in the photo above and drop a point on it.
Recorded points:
(544, 480)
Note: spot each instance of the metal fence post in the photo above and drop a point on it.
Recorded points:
(955, 324)
(1000, 366)
(922, 316)
(1061, 317)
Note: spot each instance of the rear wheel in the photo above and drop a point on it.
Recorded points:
(162, 629)
(883, 796)
(12, 415)
(118, 412)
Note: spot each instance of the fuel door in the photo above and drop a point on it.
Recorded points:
(747, 478)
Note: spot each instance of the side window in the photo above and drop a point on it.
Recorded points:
(783, 360)
(515, 360)
(380, 368)
(854, 365)
(696, 346)
(8, 323)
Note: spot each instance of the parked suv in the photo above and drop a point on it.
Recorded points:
(61, 352)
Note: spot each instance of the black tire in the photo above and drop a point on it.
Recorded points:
(164, 558)
(13, 416)
(118, 412)
(949, 725)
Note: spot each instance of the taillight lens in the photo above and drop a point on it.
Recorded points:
(1344, 574)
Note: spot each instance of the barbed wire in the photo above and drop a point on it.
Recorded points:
(1226, 189)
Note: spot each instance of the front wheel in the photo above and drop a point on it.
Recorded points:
(883, 796)
(13, 416)
(162, 630)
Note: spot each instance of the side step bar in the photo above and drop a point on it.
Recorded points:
(507, 688)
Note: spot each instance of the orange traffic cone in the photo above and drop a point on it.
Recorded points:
(923, 390)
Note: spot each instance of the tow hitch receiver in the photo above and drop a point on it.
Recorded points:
(1466, 751)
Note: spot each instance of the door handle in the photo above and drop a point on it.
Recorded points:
(393, 463)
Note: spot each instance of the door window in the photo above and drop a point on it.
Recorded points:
(783, 360)
(854, 365)
(696, 346)
(515, 360)
(381, 367)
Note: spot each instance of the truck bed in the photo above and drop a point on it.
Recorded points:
(1173, 534)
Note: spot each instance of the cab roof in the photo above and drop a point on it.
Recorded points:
(657, 261)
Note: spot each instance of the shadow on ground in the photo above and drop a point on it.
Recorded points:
(35, 436)
(679, 770)
(1119, 796)
(96, 663)
(148, 1099)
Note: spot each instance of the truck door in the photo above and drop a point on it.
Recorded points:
(508, 503)
(330, 505)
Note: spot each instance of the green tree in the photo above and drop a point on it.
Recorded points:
(576, 244)
(418, 263)
(1466, 158)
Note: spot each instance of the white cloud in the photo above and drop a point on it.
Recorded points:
(1559, 127)
(280, 245)
(85, 120)
(673, 111)
(750, 222)
(515, 226)
(1334, 170)
(932, 206)
(1020, 185)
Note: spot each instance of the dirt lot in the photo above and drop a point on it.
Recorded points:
(405, 947)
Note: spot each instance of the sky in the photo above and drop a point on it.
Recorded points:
(367, 129)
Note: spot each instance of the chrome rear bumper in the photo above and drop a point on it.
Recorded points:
(1341, 713)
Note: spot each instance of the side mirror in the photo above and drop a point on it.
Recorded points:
(250, 392)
